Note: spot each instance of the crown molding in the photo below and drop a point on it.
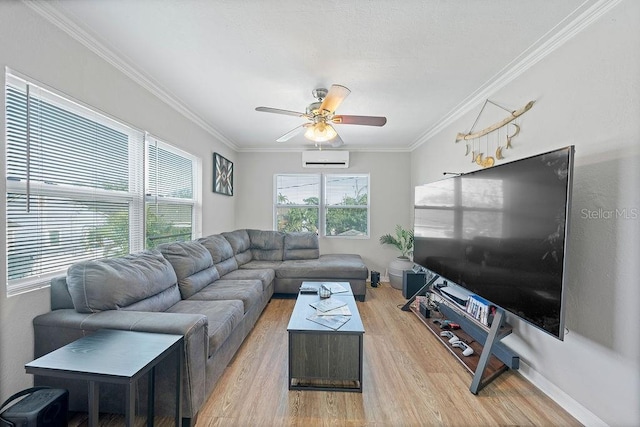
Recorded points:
(51, 14)
(587, 13)
(329, 148)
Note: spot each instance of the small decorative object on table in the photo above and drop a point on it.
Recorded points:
(324, 291)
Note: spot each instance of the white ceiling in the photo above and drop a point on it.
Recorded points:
(420, 63)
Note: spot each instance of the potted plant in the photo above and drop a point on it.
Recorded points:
(403, 241)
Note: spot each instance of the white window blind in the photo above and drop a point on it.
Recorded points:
(74, 187)
(171, 194)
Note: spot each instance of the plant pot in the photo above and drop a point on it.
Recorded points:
(396, 267)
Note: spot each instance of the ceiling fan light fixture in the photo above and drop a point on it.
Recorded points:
(320, 132)
(321, 115)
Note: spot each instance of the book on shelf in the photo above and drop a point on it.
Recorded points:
(480, 309)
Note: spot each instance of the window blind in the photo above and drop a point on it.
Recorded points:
(170, 194)
(74, 187)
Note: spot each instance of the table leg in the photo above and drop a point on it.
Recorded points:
(180, 351)
(151, 390)
(361, 349)
(94, 407)
(130, 402)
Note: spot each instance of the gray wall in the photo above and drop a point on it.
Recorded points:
(34, 47)
(390, 197)
(587, 94)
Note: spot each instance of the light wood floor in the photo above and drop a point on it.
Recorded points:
(409, 379)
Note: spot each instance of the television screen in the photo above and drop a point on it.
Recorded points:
(501, 233)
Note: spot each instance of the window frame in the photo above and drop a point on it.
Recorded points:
(322, 207)
(277, 205)
(326, 207)
(195, 201)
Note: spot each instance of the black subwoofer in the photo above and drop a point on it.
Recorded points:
(42, 407)
(412, 282)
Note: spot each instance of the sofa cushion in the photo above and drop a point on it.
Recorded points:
(194, 283)
(301, 245)
(261, 265)
(222, 318)
(247, 291)
(240, 243)
(221, 253)
(266, 245)
(112, 284)
(60, 296)
(265, 276)
(335, 266)
(166, 298)
(193, 265)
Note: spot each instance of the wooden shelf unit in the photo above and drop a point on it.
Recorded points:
(490, 358)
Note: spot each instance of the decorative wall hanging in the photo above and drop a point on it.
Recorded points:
(474, 143)
(223, 175)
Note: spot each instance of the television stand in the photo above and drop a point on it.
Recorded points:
(490, 357)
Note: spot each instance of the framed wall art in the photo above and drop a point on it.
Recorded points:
(222, 175)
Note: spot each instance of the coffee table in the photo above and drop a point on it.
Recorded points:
(321, 358)
(114, 356)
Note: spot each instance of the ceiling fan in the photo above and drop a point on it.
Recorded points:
(321, 116)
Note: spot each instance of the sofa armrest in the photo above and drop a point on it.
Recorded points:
(60, 327)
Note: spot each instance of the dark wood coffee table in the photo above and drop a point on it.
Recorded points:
(321, 358)
(114, 356)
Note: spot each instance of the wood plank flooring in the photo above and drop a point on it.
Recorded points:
(410, 379)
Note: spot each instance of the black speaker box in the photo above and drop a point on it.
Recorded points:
(412, 282)
(42, 407)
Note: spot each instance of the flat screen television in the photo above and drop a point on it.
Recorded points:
(501, 233)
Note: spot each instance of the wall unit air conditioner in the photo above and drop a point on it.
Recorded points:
(325, 159)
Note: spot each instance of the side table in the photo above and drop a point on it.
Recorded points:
(114, 356)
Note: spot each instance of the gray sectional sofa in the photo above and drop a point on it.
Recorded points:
(211, 290)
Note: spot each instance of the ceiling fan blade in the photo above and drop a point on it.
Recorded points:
(279, 111)
(336, 142)
(360, 120)
(293, 132)
(334, 98)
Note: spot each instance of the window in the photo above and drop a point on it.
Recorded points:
(339, 202)
(297, 202)
(170, 197)
(346, 205)
(75, 186)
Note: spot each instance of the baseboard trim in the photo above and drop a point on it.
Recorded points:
(579, 412)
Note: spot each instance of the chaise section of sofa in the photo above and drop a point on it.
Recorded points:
(295, 258)
(326, 268)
